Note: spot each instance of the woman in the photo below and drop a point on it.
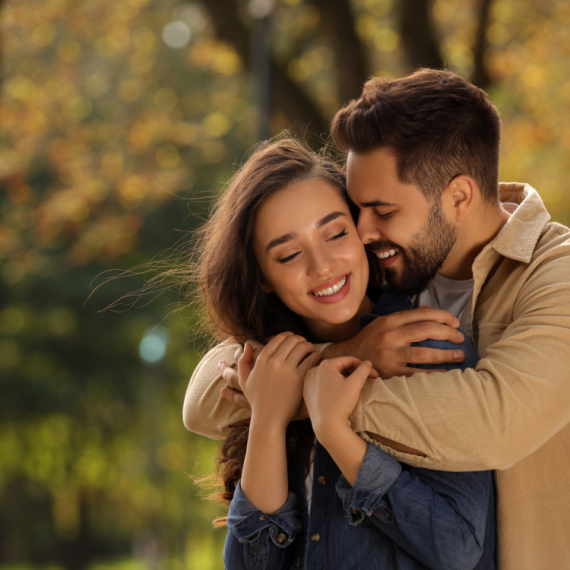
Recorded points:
(281, 253)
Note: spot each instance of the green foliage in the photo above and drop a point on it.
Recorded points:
(120, 122)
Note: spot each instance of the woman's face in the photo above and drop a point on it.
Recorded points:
(309, 252)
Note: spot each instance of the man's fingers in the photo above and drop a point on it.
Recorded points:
(238, 353)
(423, 314)
(427, 355)
(235, 397)
(229, 374)
(419, 331)
(257, 348)
(245, 363)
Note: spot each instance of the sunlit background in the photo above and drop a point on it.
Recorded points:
(120, 120)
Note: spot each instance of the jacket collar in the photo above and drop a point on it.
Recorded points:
(518, 237)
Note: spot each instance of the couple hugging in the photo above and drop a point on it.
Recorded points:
(342, 450)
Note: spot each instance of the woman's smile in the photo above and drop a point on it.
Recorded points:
(333, 290)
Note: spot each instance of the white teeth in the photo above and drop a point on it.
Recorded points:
(386, 254)
(331, 290)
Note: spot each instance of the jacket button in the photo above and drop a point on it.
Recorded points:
(322, 480)
(281, 537)
(315, 537)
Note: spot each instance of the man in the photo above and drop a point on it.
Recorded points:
(422, 166)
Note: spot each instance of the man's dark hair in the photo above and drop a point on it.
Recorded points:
(436, 123)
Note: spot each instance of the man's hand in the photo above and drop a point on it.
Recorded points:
(386, 341)
(231, 391)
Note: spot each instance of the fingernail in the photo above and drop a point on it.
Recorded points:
(460, 336)
(221, 364)
(457, 322)
(458, 355)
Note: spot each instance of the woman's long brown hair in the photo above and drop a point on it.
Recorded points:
(229, 277)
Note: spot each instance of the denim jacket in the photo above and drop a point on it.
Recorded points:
(395, 516)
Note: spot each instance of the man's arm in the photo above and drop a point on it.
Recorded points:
(205, 412)
(490, 417)
(208, 414)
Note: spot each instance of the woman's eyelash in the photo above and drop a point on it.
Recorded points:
(288, 258)
(341, 234)
(293, 255)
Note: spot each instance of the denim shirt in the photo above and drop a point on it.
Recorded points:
(395, 516)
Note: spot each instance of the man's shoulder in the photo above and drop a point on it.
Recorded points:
(554, 242)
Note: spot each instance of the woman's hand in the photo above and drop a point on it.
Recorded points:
(332, 390)
(274, 386)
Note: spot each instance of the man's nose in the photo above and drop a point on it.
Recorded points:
(368, 231)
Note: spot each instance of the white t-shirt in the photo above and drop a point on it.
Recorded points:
(449, 294)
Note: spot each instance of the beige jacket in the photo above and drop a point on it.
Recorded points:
(512, 413)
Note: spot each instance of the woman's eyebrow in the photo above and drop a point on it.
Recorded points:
(329, 218)
(288, 237)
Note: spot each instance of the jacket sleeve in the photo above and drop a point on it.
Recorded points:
(257, 540)
(205, 412)
(490, 417)
(438, 518)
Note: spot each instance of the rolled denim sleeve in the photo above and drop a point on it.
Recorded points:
(260, 540)
(439, 518)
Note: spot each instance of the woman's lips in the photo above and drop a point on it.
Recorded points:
(334, 297)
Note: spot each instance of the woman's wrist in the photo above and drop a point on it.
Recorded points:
(269, 424)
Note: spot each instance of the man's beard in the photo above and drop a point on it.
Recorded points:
(425, 255)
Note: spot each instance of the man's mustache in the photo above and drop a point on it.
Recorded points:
(382, 244)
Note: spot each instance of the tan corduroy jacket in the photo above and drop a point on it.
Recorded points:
(511, 414)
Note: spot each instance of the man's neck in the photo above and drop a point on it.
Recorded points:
(474, 235)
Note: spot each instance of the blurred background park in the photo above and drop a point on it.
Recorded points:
(120, 121)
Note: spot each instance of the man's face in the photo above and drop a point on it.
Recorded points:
(410, 235)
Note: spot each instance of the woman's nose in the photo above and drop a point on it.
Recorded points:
(321, 263)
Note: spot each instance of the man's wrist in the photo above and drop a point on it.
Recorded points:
(333, 350)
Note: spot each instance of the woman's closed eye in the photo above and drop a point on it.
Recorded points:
(339, 235)
(288, 258)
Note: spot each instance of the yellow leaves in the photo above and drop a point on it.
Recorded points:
(532, 77)
(77, 108)
(165, 99)
(43, 35)
(386, 39)
(129, 90)
(217, 124)
(365, 26)
(144, 39)
(167, 156)
(310, 63)
(133, 189)
(96, 85)
(68, 50)
(20, 88)
(60, 322)
(214, 55)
